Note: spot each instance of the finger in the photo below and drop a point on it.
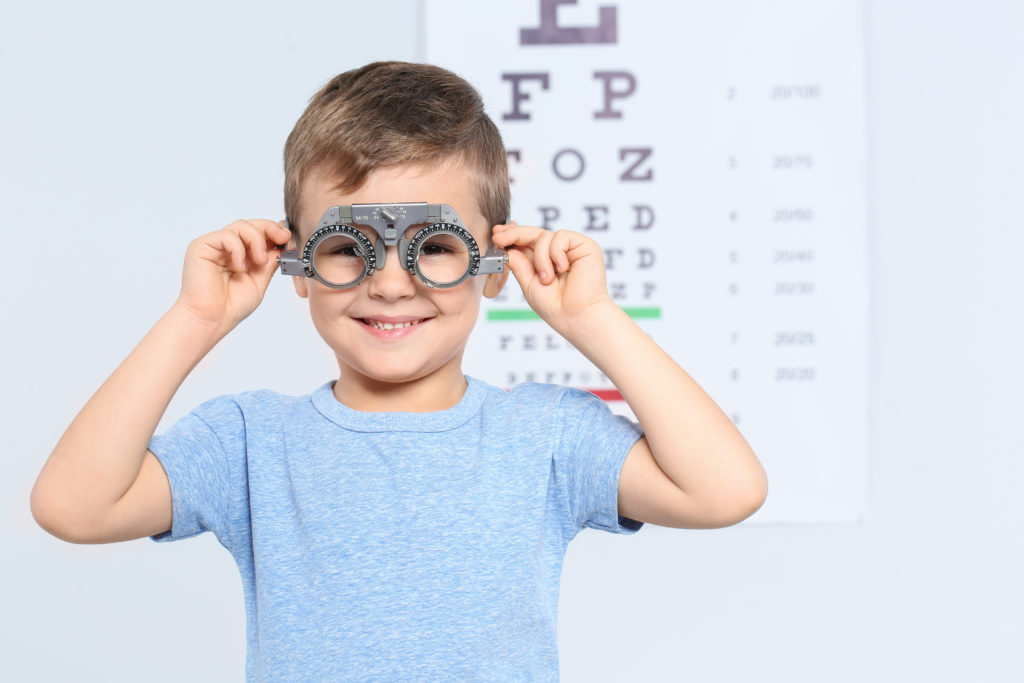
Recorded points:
(281, 234)
(521, 235)
(264, 274)
(255, 239)
(542, 257)
(273, 236)
(503, 227)
(231, 250)
(521, 266)
(271, 228)
(274, 233)
(560, 245)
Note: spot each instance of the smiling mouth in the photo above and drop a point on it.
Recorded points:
(380, 325)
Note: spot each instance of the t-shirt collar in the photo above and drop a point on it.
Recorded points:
(439, 421)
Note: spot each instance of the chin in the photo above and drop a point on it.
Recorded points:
(391, 375)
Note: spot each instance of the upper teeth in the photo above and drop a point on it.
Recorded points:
(390, 326)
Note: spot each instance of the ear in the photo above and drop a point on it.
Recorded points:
(495, 282)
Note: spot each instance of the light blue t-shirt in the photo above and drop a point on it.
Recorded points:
(399, 546)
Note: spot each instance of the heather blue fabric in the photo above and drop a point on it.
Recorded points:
(399, 546)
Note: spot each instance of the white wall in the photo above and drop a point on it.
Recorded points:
(127, 130)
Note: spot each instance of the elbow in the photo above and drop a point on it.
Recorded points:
(751, 494)
(45, 511)
(737, 492)
(55, 515)
(750, 497)
(742, 501)
(43, 515)
(754, 499)
(749, 491)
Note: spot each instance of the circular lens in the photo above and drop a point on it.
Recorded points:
(338, 260)
(443, 258)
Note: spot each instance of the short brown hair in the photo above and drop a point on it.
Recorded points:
(393, 113)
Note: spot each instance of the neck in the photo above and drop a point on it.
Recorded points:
(438, 391)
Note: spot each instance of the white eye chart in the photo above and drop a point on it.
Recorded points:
(715, 151)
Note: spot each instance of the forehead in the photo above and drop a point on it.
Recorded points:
(441, 183)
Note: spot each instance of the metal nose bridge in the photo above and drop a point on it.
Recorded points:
(390, 234)
(401, 247)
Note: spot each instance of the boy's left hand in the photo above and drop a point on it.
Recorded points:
(561, 272)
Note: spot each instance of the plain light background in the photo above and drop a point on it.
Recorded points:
(127, 129)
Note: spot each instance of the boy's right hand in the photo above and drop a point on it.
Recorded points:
(227, 272)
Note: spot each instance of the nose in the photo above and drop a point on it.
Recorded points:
(391, 282)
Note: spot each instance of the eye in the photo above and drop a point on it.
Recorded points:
(442, 245)
(433, 248)
(350, 251)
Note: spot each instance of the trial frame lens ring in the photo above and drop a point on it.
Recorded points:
(360, 264)
(467, 264)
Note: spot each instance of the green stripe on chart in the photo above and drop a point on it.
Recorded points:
(506, 314)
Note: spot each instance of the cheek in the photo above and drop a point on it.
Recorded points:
(326, 303)
(464, 300)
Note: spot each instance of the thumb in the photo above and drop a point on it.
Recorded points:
(265, 273)
(521, 266)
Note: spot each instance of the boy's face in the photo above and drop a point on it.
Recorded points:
(391, 328)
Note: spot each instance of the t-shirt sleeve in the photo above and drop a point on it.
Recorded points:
(593, 447)
(202, 454)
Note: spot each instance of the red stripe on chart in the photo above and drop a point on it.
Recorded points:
(606, 394)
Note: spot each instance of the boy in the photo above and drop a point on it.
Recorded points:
(403, 522)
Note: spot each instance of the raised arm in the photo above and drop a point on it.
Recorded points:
(101, 484)
(693, 468)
